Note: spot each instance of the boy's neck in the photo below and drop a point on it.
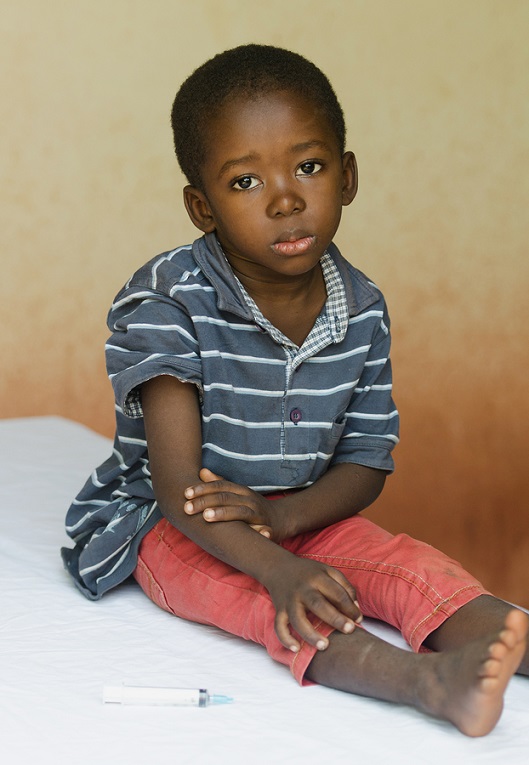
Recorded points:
(281, 291)
(292, 305)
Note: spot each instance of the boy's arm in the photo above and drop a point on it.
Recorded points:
(296, 586)
(343, 491)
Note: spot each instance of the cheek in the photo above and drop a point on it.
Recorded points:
(240, 231)
(330, 207)
(243, 221)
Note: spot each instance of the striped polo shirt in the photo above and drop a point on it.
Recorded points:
(275, 416)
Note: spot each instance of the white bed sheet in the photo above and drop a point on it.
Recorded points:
(58, 650)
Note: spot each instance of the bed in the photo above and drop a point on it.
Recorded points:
(59, 651)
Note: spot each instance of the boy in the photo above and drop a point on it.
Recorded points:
(255, 419)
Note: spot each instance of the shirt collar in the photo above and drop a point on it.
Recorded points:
(338, 274)
(336, 317)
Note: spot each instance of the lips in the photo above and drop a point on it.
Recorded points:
(293, 244)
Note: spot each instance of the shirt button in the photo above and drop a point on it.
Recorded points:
(296, 416)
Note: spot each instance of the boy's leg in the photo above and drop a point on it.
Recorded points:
(399, 580)
(185, 580)
(433, 602)
(473, 620)
(464, 686)
(427, 596)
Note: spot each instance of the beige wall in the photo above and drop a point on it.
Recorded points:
(435, 93)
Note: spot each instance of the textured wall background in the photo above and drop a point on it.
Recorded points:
(436, 98)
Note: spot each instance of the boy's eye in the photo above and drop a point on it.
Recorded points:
(309, 168)
(246, 182)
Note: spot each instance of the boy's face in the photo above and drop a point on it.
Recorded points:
(274, 183)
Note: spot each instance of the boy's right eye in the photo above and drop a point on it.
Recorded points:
(245, 182)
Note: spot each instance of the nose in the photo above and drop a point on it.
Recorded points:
(285, 199)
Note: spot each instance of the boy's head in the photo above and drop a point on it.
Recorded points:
(246, 72)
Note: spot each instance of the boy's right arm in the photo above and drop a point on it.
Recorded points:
(296, 586)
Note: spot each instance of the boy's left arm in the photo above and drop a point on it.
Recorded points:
(343, 491)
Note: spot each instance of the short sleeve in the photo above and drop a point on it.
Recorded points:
(371, 428)
(152, 335)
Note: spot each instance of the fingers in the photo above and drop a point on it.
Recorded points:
(213, 493)
(306, 630)
(344, 602)
(340, 613)
(208, 475)
(332, 601)
(223, 506)
(220, 500)
(214, 490)
(283, 632)
(266, 531)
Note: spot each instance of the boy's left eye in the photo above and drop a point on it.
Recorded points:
(309, 168)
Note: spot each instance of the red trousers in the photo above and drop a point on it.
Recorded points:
(398, 580)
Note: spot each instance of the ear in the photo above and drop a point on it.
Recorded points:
(198, 209)
(350, 178)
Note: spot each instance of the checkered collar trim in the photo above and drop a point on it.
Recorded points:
(330, 326)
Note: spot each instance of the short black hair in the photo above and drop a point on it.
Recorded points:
(247, 71)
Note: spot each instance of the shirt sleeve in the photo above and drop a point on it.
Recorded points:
(371, 428)
(152, 335)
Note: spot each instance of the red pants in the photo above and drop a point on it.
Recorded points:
(398, 580)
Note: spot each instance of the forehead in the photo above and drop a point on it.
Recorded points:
(277, 119)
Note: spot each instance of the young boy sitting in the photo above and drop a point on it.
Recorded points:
(255, 419)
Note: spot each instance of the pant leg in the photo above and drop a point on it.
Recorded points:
(399, 580)
(183, 579)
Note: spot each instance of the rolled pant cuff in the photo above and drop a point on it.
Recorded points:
(441, 613)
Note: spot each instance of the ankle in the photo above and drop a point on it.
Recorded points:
(484, 615)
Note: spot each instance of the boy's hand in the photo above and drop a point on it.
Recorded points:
(305, 586)
(220, 500)
(297, 587)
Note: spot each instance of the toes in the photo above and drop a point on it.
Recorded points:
(517, 624)
(490, 669)
(500, 649)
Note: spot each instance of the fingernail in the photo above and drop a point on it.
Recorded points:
(209, 513)
(188, 507)
(188, 492)
(348, 627)
(321, 645)
(294, 648)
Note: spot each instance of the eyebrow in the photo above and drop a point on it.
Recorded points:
(238, 161)
(315, 144)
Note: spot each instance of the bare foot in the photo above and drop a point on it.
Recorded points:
(468, 684)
